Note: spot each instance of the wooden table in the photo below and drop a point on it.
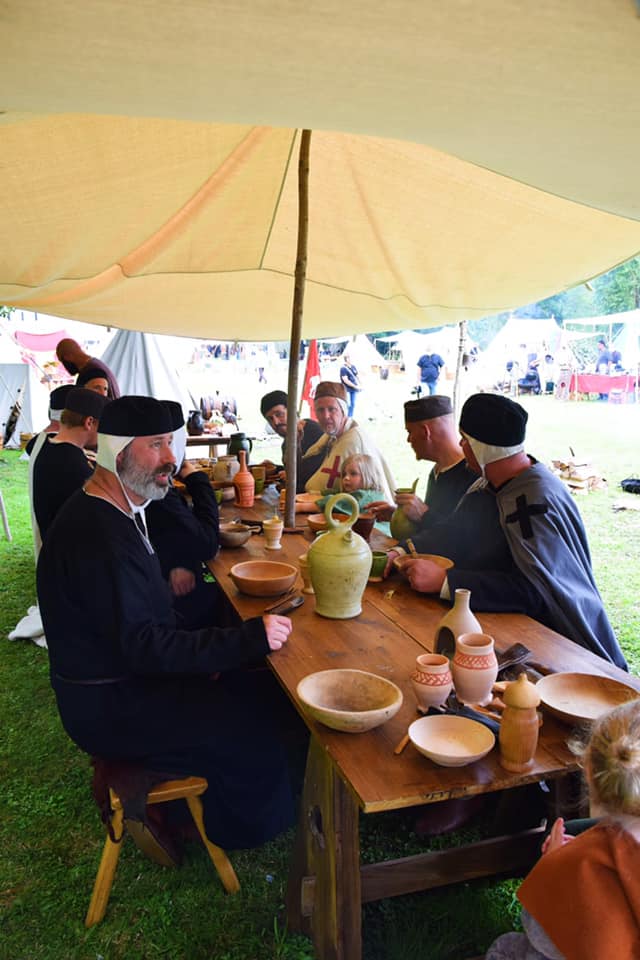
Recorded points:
(348, 773)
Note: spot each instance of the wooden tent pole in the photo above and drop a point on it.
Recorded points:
(462, 331)
(296, 328)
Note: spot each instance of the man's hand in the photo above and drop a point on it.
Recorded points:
(380, 509)
(181, 581)
(425, 576)
(412, 506)
(392, 554)
(186, 469)
(277, 630)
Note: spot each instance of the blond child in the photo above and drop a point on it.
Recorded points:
(582, 899)
(360, 476)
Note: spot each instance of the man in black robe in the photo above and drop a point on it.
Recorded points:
(273, 407)
(131, 685)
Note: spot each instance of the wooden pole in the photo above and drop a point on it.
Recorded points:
(296, 328)
(462, 331)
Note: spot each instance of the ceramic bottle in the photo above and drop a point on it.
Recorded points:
(458, 620)
(520, 725)
(474, 668)
(339, 564)
(431, 680)
(244, 483)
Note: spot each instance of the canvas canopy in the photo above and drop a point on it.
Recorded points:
(147, 178)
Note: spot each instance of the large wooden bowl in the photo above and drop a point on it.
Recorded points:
(401, 562)
(352, 701)
(451, 741)
(263, 578)
(582, 697)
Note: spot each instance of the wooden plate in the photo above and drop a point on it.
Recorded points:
(581, 697)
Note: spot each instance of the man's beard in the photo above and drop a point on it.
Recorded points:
(141, 481)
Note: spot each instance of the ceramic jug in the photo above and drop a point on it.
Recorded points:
(238, 442)
(474, 668)
(431, 680)
(520, 725)
(339, 564)
(225, 469)
(195, 424)
(400, 526)
(244, 483)
(456, 621)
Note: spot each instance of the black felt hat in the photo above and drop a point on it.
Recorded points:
(427, 408)
(58, 396)
(135, 417)
(86, 402)
(90, 373)
(175, 412)
(493, 419)
(271, 400)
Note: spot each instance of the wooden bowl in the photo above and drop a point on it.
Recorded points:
(318, 522)
(263, 578)
(234, 534)
(444, 562)
(352, 701)
(582, 697)
(307, 502)
(451, 741)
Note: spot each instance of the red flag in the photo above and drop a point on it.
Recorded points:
(311, 378)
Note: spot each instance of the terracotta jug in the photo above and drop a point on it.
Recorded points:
(474, 668)
(244, 483)
(339, 564)
(431, 680)
(520, 725)
(455, 622)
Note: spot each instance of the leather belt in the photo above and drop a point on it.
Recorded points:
(97, 682)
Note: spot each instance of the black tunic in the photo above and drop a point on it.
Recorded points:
(107, 616)
(444, 492)
(59, 470)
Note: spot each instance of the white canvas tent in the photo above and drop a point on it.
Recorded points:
(19, 382)
(142, 365)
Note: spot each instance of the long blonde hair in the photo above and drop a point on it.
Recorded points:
(369, 470)
(611, 758)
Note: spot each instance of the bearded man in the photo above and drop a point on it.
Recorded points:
(129, 684)
(341, 439)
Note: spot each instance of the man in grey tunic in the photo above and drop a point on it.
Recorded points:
(516, 537)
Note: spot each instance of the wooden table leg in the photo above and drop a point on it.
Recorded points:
(323, 895)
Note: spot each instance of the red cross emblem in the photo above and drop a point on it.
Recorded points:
(334, 472)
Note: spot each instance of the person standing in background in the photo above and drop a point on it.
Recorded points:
(349, 377)
(429, 367)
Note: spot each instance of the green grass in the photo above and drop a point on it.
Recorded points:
(50, 832)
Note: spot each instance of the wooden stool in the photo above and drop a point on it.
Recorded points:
(189, 789)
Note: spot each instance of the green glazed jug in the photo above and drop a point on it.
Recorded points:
(238, 442)
(339, 564)
(400, 526)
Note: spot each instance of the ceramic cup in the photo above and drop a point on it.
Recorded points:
(431, 680)
(378, 563)
(364, 525)
(259, 475)
(303, 563)
(218, 495)
(272, 530)
(474, 668)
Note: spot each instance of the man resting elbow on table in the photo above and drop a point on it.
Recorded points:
(516, 537)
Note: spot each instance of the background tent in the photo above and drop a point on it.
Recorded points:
(19, 381)
(142, 365)
(161, 205)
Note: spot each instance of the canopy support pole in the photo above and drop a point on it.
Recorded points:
(296, 329)
(462, 331)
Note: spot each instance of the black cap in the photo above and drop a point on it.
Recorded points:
(494, 419)
(135, 417)
(175, 412)
(427, 408)
(90, 373)
(271, 400)
(58, 396)
(86, 402)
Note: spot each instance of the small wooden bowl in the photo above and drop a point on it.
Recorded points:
(318, 522)
(234, 534)
(263, 578)
(401, 562)
(352, 701)
(582, 697)
(307, 502)
(451, 741)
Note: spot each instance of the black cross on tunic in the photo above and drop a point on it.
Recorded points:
(522, 513)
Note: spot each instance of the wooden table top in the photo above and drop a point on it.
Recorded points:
(395, 626)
